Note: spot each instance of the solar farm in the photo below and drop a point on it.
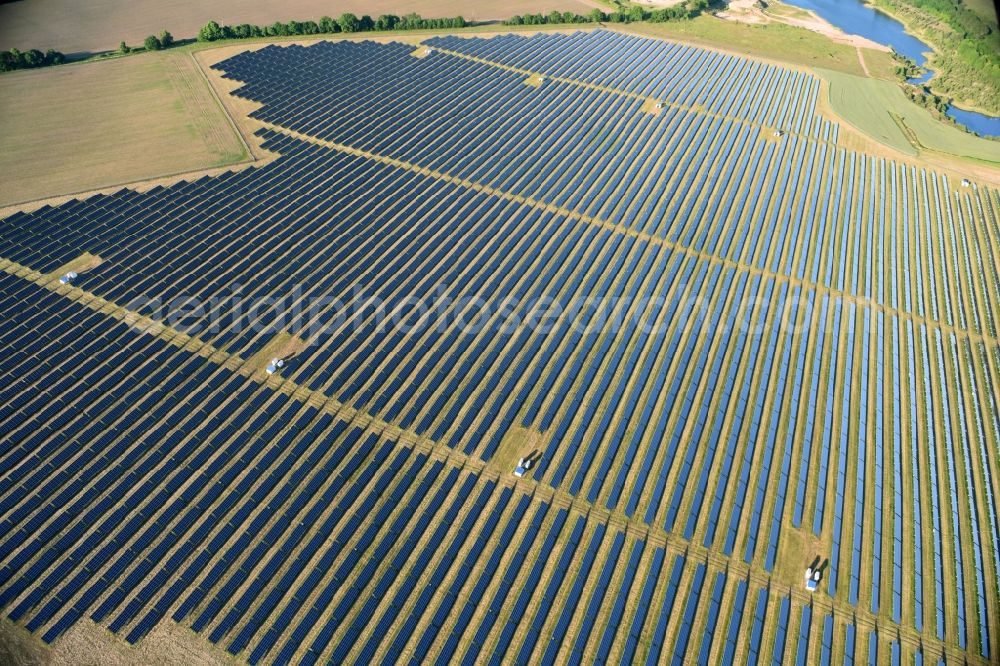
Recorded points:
(787, 356)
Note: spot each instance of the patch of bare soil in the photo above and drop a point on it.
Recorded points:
(169, 644)
(18, 646)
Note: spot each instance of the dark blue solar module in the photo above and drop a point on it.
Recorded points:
(351, 507)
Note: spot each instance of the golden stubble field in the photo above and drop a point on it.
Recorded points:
(80, 127)
(74, 26)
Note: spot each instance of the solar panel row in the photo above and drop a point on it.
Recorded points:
(142, 481)
(384, 497)
(870, 271)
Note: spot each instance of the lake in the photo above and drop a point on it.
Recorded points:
(857, 18)
(977, 122)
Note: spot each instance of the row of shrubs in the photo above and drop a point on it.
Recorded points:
(348, 22)
(152, 43)
(14, 59)
(683, 10)
(212, 31)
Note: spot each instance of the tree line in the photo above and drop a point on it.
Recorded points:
(347, 22)
(634, 14)
(156, 42)
(152, 43)
(350, 23)
(15, 59)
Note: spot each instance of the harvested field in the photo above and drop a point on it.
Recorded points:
(86, 126)
(85, 26)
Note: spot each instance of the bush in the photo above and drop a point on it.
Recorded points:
(151, 43)
(33, 58)
(349, 22)
(15, 59)
(211, 32)
(8, 61)
(245, 31)
(166, 39)
(386, 22)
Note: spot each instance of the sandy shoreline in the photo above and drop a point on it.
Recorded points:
(745, 11)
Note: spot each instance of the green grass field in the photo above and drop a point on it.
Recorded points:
(984, 8)
(784, 43)
(881, 110)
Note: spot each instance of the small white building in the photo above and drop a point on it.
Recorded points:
(68, 278)
(812, 578)
(275, 365)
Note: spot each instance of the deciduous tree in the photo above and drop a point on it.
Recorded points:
(348, 22)
(211, 32)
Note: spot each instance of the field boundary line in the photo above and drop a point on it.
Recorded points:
(223, 108)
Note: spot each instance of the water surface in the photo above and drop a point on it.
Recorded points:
(977, 122)
(857, 18)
